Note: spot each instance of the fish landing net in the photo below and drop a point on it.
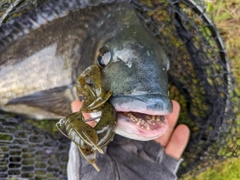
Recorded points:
(200, 79)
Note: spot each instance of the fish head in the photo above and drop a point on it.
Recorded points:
(134, 67)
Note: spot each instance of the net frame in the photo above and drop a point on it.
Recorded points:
(184, 27)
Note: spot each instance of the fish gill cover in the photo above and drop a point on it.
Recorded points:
(200, 79)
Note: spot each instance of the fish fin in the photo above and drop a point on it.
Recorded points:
(57, 100)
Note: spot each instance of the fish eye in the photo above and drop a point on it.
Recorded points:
(104, 56)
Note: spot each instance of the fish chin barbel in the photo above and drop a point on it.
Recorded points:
(91, 139)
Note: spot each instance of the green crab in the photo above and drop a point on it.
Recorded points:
(91, 139)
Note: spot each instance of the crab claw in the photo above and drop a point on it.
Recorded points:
(90, 155)
(106, 126)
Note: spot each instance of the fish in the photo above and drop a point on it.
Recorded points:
(43, 52)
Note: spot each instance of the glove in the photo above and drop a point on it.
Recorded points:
(125, 159)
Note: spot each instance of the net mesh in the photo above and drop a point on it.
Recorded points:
(28, 152)
(200, 79)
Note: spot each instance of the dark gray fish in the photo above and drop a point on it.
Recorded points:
(43, 52)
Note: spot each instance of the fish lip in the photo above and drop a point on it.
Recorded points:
(150, 104)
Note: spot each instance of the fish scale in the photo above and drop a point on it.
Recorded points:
(49, 65)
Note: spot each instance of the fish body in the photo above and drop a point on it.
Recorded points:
(43, 52)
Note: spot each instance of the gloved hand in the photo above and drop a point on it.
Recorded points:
(127, 159)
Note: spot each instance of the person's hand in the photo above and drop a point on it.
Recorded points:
(130, 159)
(174, 140)
(75, 106)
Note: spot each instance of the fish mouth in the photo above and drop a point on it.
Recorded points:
(141, 126)
(142, 117)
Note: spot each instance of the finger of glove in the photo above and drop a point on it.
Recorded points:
(169, 162)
